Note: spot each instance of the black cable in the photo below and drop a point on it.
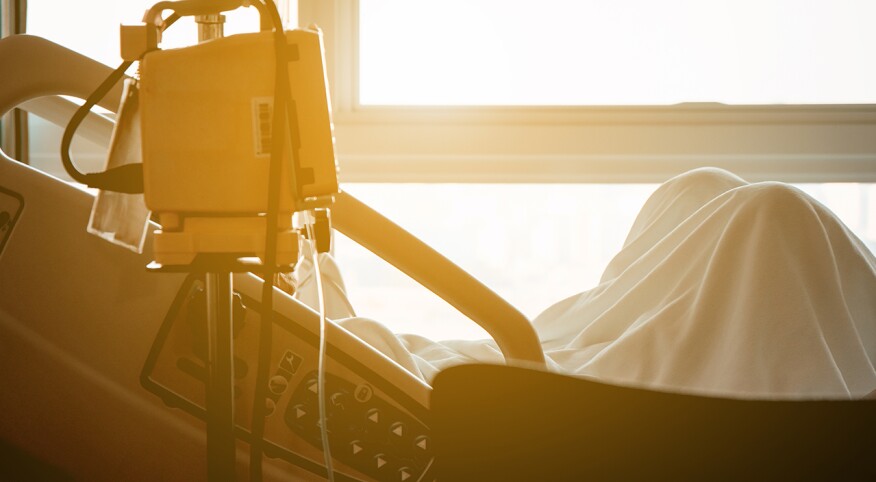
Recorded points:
(127, 178)
(278, 128)
(124, 183)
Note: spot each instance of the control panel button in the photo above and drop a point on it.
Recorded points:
(373, 415)
(300, 411)
(290, 362)
(270, 406)
(363, 393)
(371, 434)
(338, 400)
(422, 442)
(277, 384)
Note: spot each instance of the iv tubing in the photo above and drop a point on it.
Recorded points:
(320, 370)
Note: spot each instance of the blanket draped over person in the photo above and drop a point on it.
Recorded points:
(722, 287)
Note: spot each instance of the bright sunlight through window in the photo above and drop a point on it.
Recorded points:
(533, 244)
(622, 52)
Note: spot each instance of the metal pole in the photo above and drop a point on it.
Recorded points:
(220, 379)
(221, 450)
(210, 26)
(14, 125)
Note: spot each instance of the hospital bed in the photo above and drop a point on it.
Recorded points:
(513, 424)
(103, 363)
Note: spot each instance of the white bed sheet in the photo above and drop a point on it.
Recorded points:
(722, 287)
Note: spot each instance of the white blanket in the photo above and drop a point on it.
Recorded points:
(722, 287)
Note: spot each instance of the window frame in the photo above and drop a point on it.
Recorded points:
(547, 144)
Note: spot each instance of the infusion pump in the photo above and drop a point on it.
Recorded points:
(206, 120)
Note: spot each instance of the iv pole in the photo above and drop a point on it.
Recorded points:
(221, 450)
(218, 267)
(220, 378)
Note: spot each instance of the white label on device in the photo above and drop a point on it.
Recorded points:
(262, 119)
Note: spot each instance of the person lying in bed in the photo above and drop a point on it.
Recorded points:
(723, 287)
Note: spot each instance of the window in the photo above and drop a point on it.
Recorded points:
(530, 138)
(622, 52)
(533, 244)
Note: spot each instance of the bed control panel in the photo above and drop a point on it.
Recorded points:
(365, 432)
(375, 427)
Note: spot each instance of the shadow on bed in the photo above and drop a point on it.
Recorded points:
(503, 423)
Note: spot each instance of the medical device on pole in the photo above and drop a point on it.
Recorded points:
(236, 136)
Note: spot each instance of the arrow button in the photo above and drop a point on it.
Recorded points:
(422, 442)
(299, 411)
(374, 415)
